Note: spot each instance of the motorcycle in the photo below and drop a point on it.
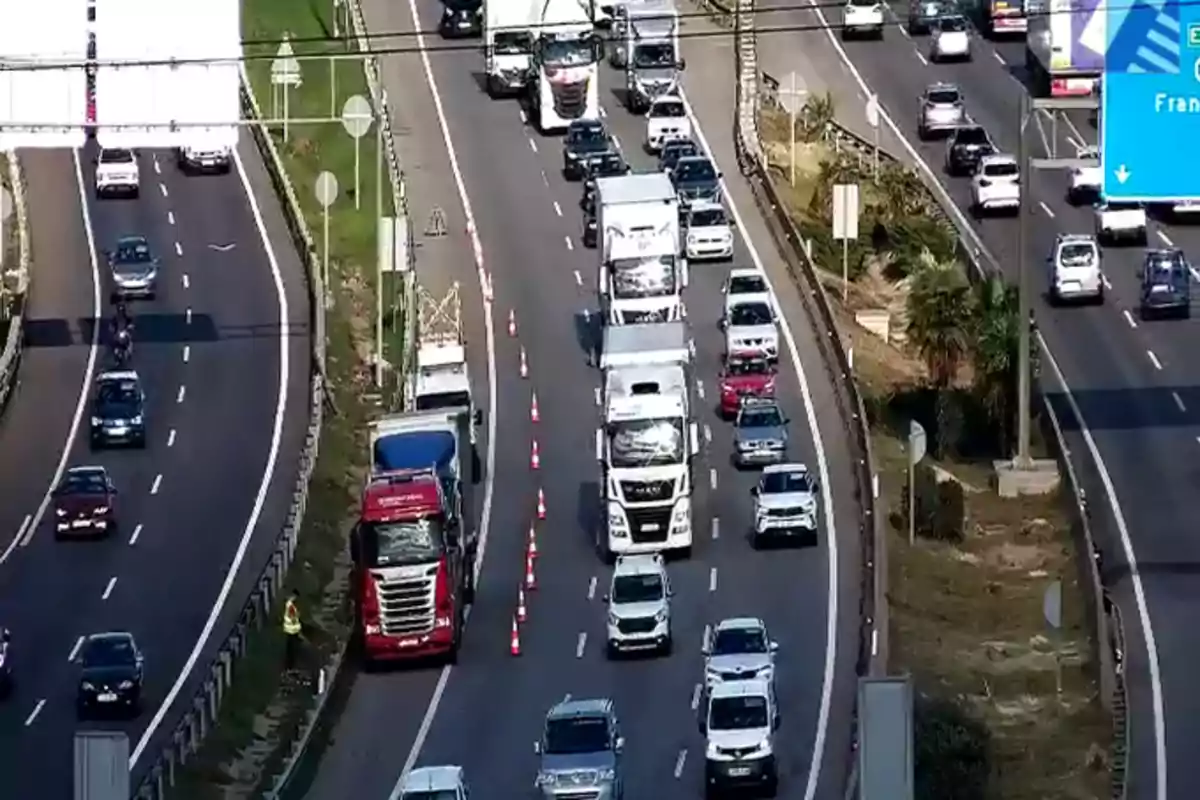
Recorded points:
(122, 347)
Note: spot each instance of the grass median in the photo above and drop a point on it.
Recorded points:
(262, 715)
(1006, 707)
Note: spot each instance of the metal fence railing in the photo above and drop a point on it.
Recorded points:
(15, 291)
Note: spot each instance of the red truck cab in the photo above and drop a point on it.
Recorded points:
(745, 376)
(409, 569)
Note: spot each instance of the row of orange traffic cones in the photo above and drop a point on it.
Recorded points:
(528, 584)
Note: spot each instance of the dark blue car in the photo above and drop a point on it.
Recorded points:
(1166, 285)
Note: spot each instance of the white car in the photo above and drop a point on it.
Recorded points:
(750, 330)
(1185, 210)
(639, 606)
(204, 159)
(996, 185)
(739, 723)
(1086, 181)
(951, 39)
(445, 783)
(745, 285)
(862, 18)
(737, 649)
(709, 233)
(666, 120)
(1120, 222)
(1075, 272)
(785, 505)
(117, 173)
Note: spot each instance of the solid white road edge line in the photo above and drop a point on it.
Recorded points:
(25, 534)
(264, 485)
(1139, 592)
(810, 412)
(485, 516)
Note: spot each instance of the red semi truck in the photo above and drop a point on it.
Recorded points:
(413, 547)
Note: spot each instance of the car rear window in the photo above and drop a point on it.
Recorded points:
(943, 96)
(116, 156)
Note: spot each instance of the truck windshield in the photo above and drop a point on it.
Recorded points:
(654, 56)
(576, 735)
(646, 442)
(737, 713)
(392, 544)
(443, 400)
(558, 53)
(512, 44)
(638, 277)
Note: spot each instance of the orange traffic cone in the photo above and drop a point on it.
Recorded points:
(535, 458)
(524, 364)
(521, 613)
(534, 414)
(530, 576)
(512, 322)
(514, 641)
(541, 506)
(532, 546)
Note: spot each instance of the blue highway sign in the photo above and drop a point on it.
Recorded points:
(1150, 114)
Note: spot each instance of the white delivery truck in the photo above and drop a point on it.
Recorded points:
(508, 45)
(441, 379)
(566, 55)
(652, 58)
(648, 440)
(641, 276)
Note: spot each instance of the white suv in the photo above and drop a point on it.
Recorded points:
(738, 649)
(862, 17)
(117, 173)
(639, 606)
(1075, 272)
(739, 722)
(996, 185)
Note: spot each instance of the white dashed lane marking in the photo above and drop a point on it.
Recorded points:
(1154, 359)
(75, 650)
(1178, 401)
(108, 590)
(1129, 318)
(137, 531)
(34, 714)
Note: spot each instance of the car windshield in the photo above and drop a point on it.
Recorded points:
(971, 136)
(1002, 169)
(747, 284)
(576, 735)
(943, 97)
(635, 277)
(698, 170)
(952, 24)
(637, 589)
(760, 417)
(785, 482)
(1077, 255)
(863, 3)
(508, 43)
(646, 442)
(117, 394)
(389, 544)
(747, 366)
(445, 794)
(83, 483)
(558, 53)
(746, 314)
(707, 218)
(668, 108)
(109, 651)
(587, 136)
(650, 56)
(132, 251)
(738, 641)
(1164, 270)
(116, 157)
(737, 713)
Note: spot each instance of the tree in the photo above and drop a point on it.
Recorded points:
(836, 168)
(939, 318)
(995, 342)
(900, 194)
(815, 118)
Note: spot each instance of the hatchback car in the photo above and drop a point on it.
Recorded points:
(461, 19)
(110, 676)
(942, 110)
(760, 434)
(118, 410)
(134, 268)
(967, 147)
(696, 178)
(709, 233)
(85, 503)
(738, 649)
(674, 150)
(951, 39)
(1166, 285)
(586, 139)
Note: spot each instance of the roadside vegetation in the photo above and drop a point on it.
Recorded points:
(966, 594)
(262, 716)
(9, 300)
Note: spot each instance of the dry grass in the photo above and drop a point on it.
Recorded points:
(966, 620)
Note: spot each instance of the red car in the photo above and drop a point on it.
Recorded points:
(745, 376)
(85, 504)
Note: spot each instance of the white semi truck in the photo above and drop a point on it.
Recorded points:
(566, 55)
(641, 276)
(441, 379)
(508, 45)
(646, 445)
(652, 59)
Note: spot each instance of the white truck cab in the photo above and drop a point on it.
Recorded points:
(739, 723)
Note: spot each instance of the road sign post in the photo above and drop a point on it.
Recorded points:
(326, 189)
(845, 226)
(356, 119)
(918, 444)
(873, 121)
(285, 76)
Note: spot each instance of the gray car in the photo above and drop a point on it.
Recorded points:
(696, 178)
(760, 434)
(942, 110)
(134, 267)
(580, 752)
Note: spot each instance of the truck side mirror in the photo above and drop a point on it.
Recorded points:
(604, 597)
(754, 491)
(478, 417)
(599, 444)
(774, 647)
(681, 64)
(537, 748)
(620, 744)
(695, 435)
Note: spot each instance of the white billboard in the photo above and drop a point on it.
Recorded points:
(145, 100)
(53, 100)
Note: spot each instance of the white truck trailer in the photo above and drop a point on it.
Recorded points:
(641, 276)
(508, 27)
(566, 55)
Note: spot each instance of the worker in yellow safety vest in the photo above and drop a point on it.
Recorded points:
(291, 631)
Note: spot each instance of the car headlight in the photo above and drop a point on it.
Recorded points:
(711, 751)
(547, 779)
(125, 685)
(662, 615)
(87, 687)
(606, 775)
(100, 510)
(691, 240)
(97, 421)
(137, 420)
(60, 512)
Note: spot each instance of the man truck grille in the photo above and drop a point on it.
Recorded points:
(648, 491)
(570, 99)
(406, 604)
(649, 524)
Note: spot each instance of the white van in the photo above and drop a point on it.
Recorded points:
(1075, 271)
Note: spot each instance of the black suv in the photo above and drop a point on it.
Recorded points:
(586, 139)
(461, 19)
(111, 674)
(674, 150)
(609, 164)
(118, 410)
(968, 144)
(696, 178)
(1166, 285)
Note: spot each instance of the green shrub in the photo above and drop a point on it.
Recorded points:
(952, 759)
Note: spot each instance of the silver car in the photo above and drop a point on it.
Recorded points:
(942, 110)
(760, 433)
(580, 752)
(134, 267)
(739, 649)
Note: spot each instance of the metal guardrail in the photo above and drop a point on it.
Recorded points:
(201, 712)
(14, 343)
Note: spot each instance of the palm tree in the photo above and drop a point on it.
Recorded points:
(995, 341)
(815, 118)
(900, 195)
(939, 315)
(835, 168)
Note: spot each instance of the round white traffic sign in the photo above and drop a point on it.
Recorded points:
(326, 189)
(357, 116)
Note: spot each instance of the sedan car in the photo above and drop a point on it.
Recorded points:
(85, 503)
(674, 150)
(134, 268)
(739, 649)
(1166, 285)
(785, 506)
(586, 139)
(118, 410)
(696, 178)
(111, 674)
(942, 110)
(750, 330)
(760, 433)
(742, 377)
(968, 145)
(609, 164)
(461, 19)
(951, 39)
(709, 233)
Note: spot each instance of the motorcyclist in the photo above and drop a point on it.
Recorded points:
(122, 327)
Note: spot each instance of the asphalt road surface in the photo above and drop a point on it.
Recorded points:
(488, 711)
(226, 385)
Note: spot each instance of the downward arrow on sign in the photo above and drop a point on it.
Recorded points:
(1123, 174)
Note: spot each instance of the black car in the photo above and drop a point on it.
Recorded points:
(118, 410)
(696, 178)
(110, 679)
(968, 144)
(586, 139)
(461, 19)
(590, 225)
(923, 13)
(674, 150)
(605, 165)
(1166, 285)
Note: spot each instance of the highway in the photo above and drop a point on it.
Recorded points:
(226, 387)
(1134, 381)
(487, 712)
